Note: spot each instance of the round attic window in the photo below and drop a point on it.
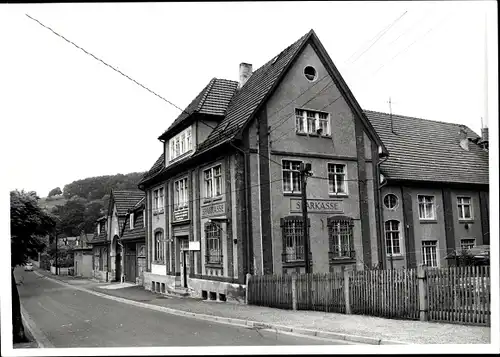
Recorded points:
(310, 73)
(391, 201)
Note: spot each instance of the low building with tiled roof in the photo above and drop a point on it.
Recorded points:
(110, 253)
(435, 196)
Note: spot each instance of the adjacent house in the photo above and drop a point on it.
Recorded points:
(223, 199)
(133, 240)
(435, 196)
(83, 256)
(108, 249)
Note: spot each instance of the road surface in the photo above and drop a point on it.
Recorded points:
(72, 318)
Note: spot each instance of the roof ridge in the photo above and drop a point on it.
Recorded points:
(205, 95)
(409, 117)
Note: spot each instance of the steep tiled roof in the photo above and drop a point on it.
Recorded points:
(155, 169)
(139, 204)
(251, 95)
(426, 150)
(212, 100)
(126, 199)
(138, 232)
(243, 103)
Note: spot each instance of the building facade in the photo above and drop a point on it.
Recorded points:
(107, 246)
(223, 200)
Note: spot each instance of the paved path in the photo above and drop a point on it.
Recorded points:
(67, 317)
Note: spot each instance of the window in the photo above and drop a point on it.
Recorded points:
(429, 253)
(159, 247)
(291, 176)
(426, 207)
(180, 195)
(181, 144)
(213, 182)
(464, 207)
(390, 201)
(158, 200)
(310, 73)
(340, 237)
(213, 238)
(293, 239)
(337, 179)
(392, 237)
(467, 243)
(307, 121)
(131, 220)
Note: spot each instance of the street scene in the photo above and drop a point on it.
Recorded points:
(73, 318)
(258, 188)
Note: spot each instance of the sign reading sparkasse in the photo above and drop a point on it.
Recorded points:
(213, 210)
(317, 205)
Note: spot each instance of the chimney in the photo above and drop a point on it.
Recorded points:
(464, 141)
(245, 73)
(484, 134)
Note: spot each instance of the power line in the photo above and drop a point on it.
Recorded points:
(378, 37)
(106, 64)
(411, 44)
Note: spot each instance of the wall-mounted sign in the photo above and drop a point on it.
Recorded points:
(213, 210)
(194, 245)
(180, 215)
(317, 206)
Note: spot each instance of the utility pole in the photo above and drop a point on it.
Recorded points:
(305, 170)
(56, 253)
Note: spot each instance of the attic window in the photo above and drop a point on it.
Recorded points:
(310, 73)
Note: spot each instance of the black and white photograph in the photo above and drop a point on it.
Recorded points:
(249, 177)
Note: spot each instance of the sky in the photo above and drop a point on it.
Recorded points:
(65, 116)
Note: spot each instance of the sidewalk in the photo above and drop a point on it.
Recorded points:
(411, 332)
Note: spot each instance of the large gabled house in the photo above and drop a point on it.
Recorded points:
(223, 199)
(435, 195)
(108, 249)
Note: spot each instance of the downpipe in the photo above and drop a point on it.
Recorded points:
(381, 208)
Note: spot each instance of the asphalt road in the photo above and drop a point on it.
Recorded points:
(73, 318)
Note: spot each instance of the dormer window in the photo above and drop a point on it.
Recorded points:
(132, 221)
(98, 228)
(180, 144)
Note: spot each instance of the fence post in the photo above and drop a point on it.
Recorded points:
(247, 279)
(294, 291)
(346, 291)
(422, 293)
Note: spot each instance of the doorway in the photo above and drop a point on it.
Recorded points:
(184, 261)
(130, 263)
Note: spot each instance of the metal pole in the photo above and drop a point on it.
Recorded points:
(304, 216)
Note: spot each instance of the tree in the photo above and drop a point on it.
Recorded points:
(54, 192)
(29, 225)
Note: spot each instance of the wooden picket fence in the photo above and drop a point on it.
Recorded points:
(459, 294)
(271, 290)
(456, 294)
(385, 293)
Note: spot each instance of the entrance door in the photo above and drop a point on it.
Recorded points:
(118, 264)
(184, 261)
(130, 263)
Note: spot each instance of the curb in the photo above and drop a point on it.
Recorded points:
(240, 322)
(38, 336)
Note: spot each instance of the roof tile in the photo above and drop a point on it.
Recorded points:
(427, 150)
